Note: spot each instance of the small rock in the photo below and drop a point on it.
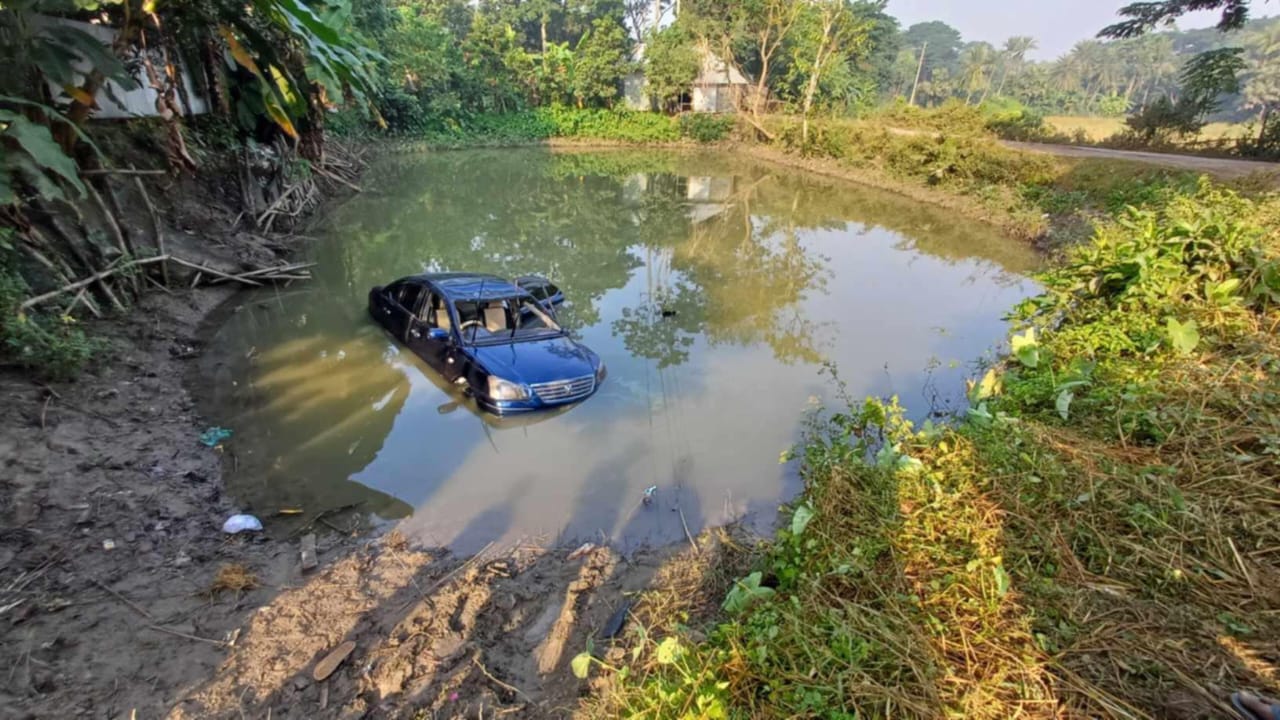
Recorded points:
(182, 560)
(325, 667)
(301, 682)
(85, 515)
(130, 537)
(506, 601)
(108, 545)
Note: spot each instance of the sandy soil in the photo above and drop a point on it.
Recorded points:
(1222, 167)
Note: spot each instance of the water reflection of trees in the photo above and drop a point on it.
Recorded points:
(730, 267)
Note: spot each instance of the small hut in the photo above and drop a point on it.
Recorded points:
(719, 87)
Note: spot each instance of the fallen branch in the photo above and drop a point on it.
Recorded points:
(211, 271)
(278, 202)
(97, 277)
(268, 272)
(337, 178)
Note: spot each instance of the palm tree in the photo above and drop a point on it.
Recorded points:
(1015, 54)
(976, 66)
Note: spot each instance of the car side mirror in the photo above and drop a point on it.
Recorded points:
(438, 334)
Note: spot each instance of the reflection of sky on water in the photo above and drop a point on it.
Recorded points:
(764, 281)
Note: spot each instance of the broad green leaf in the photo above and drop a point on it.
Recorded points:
(1223, 293)
(1063, 403)
(6, 191)
(669, 651)
(1026, 339)
(745, 592)
(987, 388)
(38, 142)
(581, 665)
(1184, 336)
(94, 51)
(1029, 356)
(23, 165)
(800, 519)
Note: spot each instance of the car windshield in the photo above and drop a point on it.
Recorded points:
(502, 320)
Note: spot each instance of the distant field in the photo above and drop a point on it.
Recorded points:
(1098, 128)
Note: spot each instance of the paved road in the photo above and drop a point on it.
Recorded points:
(1222, 167)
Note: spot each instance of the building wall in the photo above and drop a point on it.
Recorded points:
(635, 93)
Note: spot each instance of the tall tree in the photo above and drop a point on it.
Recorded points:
(976, 66)
(828, 35)
(1015, 57)
(599, 63)
(768, 23)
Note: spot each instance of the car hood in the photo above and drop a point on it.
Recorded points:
(536, 361)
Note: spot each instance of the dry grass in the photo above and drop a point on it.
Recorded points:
(233, 577)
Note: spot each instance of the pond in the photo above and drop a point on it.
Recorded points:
(715, 289)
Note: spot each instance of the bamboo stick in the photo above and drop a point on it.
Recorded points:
(96, 277)
(155, 225)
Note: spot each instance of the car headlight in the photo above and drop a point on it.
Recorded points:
(601, 372)
(500, 389)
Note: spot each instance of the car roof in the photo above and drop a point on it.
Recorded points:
(470, 286)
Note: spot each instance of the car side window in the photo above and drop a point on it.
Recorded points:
(408, 295)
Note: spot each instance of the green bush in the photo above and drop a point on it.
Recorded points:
(54, 348)
(704, 128)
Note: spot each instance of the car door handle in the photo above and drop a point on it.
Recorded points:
(416, 334)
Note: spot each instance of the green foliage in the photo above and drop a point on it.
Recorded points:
(706, 128)
(599, 63)
(32, 156)
(54, 348)
(671, 65)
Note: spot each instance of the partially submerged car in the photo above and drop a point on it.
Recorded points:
(493, 336)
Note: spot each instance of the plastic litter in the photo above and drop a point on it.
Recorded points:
(648, 494)
(214, 436)
(582, 551)
(241, 523)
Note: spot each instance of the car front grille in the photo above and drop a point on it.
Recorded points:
(565, 390)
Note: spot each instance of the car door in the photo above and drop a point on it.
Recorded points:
(424, 335)
(398, 308)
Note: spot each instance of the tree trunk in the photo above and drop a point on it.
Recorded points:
(812, 88)
(985, 90)
(1262, 131)
(1003, 77)
(761, 84)
(544, 40)
(311, 134)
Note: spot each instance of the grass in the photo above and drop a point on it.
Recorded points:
(1094, 538)
(1097, 129)
(234, 578)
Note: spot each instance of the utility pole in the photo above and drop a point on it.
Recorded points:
(919, 69)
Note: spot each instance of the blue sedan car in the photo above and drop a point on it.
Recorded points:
(491, 336)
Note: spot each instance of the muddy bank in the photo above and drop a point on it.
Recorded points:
(111, 507)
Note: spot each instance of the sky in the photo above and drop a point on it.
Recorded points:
(1055, 24)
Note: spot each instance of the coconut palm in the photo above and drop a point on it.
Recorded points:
(977, 65)
(1015, 56)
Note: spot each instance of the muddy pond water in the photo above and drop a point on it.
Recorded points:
(715, 289)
